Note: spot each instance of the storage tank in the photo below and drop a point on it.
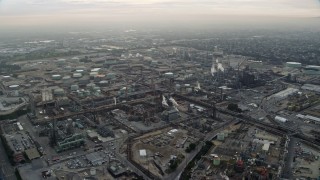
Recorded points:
(178, 87)
(169, 75)
(66, 78)
(154, 63)
(312, 70)
(111, 75)
(15, 93)
(293, 64)
(86, 93)
(93, 74)
(79, 71)
(80, 93)
(226, 133)
(93, 171)
(280, 119)
(216, 161)
(67, 68)
(77, 75)
(74, 87)
(90, 86)
(14, 87)
(103, 83)
(189, 90)
(96, 89)
(58, 92)
(56, 77)
(220, 136)
(61, 62)
(99, 77)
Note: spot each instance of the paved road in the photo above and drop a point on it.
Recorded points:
(126, 162)
(287, 169)
(6, 169)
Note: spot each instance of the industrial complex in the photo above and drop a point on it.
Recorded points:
(160, 112)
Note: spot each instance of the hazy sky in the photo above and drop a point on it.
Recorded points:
(47, 12)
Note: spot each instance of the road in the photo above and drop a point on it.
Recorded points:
(287, 169)
(6, 169)
(176, 174)
(133, 168)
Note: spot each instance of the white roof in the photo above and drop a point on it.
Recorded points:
(266, 147)
(95, 69)
(308, 117)
(143, 152)
(293, 63)
(311, 87)
(282, 119)
(285, 93)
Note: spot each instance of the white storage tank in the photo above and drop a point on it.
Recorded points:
(96, 70)
(280, 119)
(77, 75)
(103, 83)
(293, 64)
(93, 74)
(67, 68)
(80, 71)
(58, 92)
(14, 87)
(61, 62)
(220, 136)
(169, 75)
(178, 87)
(189, 90)
(74, 87)
(96, 89)
(93, 171)
(111, 75)
(91, 86)
(66, 78)
(56, 77)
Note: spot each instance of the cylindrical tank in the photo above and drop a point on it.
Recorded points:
(226, 133)
(93, 171)
(61, 62)
(189, 90)
(169, 75)
(79, 70)
(178, 87)
(103, 83)
(216, 161)
(67, 68)
(74, 87)
(110, 75)
(66, 78)
(220, 136)
(96, 89)
(14, 87)
(56, 77)
(93, 74)
(90, 86)
(58, 92)
(77, 75)
(86, 93)
(80, 93)
(293, 64)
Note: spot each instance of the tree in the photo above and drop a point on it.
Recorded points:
(173, 164)
(234, 107)
(191, 147)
